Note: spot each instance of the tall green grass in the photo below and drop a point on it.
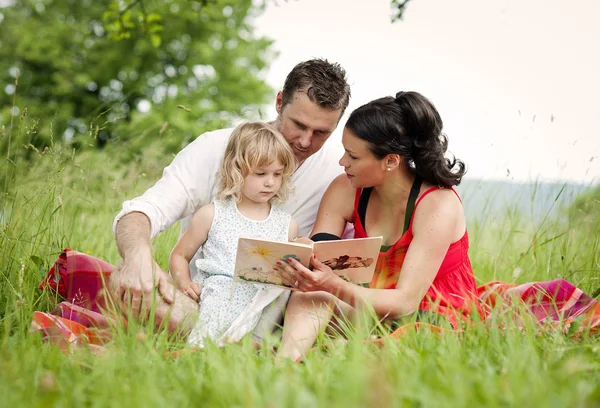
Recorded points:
(63, 198)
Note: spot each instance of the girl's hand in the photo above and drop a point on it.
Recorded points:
(303, 279)
(191, 289)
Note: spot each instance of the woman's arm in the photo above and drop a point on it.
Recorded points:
(336, 208)
(434, 229)
(193, 238)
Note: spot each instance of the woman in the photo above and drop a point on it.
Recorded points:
(398, 185)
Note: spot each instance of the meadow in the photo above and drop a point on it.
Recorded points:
(63, 197)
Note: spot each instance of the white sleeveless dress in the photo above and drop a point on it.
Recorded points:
(228, 309)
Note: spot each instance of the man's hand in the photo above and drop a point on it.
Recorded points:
(136, 277)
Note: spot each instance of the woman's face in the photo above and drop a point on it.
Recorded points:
(361, 166)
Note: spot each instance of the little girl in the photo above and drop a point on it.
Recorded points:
(254, 175)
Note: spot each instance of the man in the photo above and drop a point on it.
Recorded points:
(309, 108)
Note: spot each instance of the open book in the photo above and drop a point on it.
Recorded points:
(352, 259)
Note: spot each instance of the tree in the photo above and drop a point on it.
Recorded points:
(115, 69)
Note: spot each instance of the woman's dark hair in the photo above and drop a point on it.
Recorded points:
(408, 125)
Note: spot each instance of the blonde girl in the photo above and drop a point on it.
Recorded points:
(254, 177)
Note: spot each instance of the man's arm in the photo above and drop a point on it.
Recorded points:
(138, 274)
(133, 235)
(186, 183)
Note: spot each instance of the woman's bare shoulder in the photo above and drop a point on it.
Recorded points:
(440, 210)
(341, 186)
(442, 199)
(336, 206)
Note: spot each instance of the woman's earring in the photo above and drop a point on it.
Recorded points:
(389, 169)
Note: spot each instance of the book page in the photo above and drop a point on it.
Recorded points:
(352, 259)
(256, 257)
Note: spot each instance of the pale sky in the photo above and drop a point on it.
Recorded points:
(516, 81)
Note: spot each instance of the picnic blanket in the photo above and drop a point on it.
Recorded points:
(80, 321)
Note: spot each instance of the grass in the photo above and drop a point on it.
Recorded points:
(64, 199)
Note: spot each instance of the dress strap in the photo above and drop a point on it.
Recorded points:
(431, 190)
(411, 204)
(362, 204)
(363, 201)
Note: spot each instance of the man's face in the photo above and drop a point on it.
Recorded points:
(305, 125)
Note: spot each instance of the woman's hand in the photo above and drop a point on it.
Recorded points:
(303, 279)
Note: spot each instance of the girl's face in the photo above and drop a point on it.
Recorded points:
(261, 184)
(361, 166)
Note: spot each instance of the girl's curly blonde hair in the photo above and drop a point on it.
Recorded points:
(251, 146)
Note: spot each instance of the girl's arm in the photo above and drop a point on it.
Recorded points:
(434, 229)
(193, 238)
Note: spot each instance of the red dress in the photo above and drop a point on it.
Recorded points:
(453, 292)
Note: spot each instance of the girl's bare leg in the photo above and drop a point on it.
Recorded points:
(307, 314)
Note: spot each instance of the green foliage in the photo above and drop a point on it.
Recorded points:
(585, 210)
(84, 67)
(120, 22)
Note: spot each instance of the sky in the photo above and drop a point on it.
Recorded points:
(516, 81)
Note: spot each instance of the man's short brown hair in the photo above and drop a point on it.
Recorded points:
(323, 82)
